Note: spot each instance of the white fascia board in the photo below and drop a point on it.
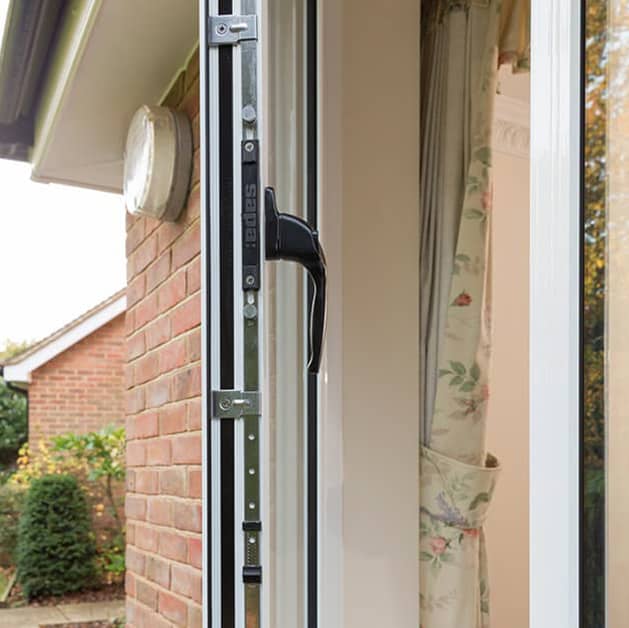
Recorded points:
(20, 372)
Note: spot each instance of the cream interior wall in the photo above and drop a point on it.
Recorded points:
(508, 525)
(380, 226)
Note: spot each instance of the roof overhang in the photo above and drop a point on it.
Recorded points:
(29, 31)
(18, 370)
(108, 58)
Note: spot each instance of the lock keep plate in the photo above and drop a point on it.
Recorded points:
(228, 30)
(234, 404)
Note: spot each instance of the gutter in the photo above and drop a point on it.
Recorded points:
(29, 34)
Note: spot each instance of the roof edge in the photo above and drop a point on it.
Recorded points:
(18, 369)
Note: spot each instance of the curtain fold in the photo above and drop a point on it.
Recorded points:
(463, 44)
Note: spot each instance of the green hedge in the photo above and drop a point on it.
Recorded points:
(11, 503)
(56, 550)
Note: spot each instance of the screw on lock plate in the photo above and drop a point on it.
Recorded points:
(233, 404)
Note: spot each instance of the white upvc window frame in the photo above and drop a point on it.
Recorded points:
(555, 312)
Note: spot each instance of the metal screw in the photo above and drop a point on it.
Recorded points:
(221, 28)
(249, 146)
(252, 471)
(250, 311)
(252, 436)
(225, 404)
(250, 280)
(252, 505)
(249, 114)
(252, 540)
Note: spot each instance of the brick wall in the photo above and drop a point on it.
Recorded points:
(81, 389)
(163, 405)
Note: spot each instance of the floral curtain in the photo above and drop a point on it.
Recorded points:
(463, 44)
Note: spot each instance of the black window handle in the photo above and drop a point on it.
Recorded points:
(291, 238)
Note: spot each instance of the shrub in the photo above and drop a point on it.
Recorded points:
(13, 422)
(11, 503)
(103, 453)
(55, 553)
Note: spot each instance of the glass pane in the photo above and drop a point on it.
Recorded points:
(605, 453)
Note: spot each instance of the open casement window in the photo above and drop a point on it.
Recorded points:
(301, 524)
(265, 321)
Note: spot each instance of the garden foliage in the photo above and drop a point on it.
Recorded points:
(11, 501)
(56, 550)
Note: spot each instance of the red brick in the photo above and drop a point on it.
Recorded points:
(194, 483)
(195, 549)
(145, 311)
(82, 389)
(144, 255)
(187, 449)
(172, 419)
(193, 340)
(187, 315)
(158, 332)
(167, 233)
(146, 368)
(164, 325)
(158, 452)
(195, 616)
(194, 414)
(134, 400)
(186, 383)
(173, 608)
(187, 246)
(160, 511)
(142, 425)
(136, 290)
(157, 393)
(196, 169)
(135, 561)
(135, 507)
(173, 355)
(140, 616)
(136, 454)
(146, 481)
(147, 594)
(194, 200)
(129, 322)
(158, 571)
(172, 291)
(130, 533)
(194, 276)
(135, 346)
(129, 376)
(147, 538)
(158, 272)
(135, 235)
(188, 516)
(173, 545)
(173, 481)
(129, 584)
(187, 582)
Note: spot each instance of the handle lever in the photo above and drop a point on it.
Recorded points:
(291, 238)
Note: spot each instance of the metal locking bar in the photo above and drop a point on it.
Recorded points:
(228, 30)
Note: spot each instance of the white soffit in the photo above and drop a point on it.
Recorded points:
(117, 55)
(20, 371)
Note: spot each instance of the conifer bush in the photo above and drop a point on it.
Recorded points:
(56, 550)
